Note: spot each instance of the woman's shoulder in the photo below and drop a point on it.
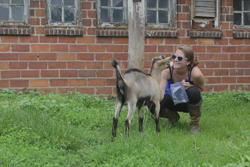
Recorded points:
(196, 72)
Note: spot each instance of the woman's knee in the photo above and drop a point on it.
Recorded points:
(194, 95)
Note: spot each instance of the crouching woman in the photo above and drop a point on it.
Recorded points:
(183, 69)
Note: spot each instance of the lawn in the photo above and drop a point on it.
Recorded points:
(74, 130)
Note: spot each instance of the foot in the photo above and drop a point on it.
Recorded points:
(195, 130)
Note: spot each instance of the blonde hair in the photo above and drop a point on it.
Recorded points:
(189, 54)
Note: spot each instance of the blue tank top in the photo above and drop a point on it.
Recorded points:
(170, 81)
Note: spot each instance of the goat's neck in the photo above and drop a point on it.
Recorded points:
(156, 74)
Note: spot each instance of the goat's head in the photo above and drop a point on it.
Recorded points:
(160, 63)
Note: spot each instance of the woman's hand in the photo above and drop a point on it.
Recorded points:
(186, 84)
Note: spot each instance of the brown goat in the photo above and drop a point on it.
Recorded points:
(137, 89)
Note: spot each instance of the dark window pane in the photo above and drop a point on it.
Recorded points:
(56, 14)
(117, 3)
(151, 16)
(151, 3)
(247, 18)
(56, 2)
(247, 5)
(5, 1)
(105, 15)
(163, 17)
(69, 14)
(4, 13)
(118, 16)
(105, 2)
(17, 13)
(237, 18)
(17, 2)
(69, 2)
(163, 4)
(237, 5)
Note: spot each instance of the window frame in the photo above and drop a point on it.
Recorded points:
(172, 17)
(112, 25)
(240, 27)
(17, 24)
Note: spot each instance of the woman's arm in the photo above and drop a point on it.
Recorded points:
(165, 75)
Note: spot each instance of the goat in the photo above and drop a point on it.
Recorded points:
(137, 89)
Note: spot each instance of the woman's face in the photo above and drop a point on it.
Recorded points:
(177, 63)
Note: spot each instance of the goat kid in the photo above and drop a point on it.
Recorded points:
(137, 89)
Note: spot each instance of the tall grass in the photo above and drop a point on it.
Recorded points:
(75, 130)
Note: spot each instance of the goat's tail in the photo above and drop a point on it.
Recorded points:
(119, 80)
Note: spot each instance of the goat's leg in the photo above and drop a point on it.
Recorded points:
(118, 107)
(140, 119)
(131, 110)
(156, 114)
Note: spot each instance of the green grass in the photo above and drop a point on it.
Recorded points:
(75, 130)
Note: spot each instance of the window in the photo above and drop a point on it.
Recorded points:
(241, 13)
(205, 19)
(14, 14)
(112, 13)
(160, 16)
(63, 17)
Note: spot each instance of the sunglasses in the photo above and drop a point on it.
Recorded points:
(179, 58)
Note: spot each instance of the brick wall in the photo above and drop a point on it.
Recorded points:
(39, 60)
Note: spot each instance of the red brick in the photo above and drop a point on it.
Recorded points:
(110, 82)
(86, 39)
(205, 41)
(96, 82)
(28, 39)
(236, 56)
(39, 82)
(243, 49)
(49, 73)
(76, 65)
(34, 21)
(236, 71)
(18, 65)
(220, 72)
(4, 66)
(87, 73)
(59, 48)
(207, 72)
(121, 40)
(164, 48)
(20, 48)
(66, 56)
(228, 64)
(85, 56)
(4, 47)
(220, 87)
(9, 39)
(243, 79)
(90, 91)
(28, 56)
(67, 39)
(189, 41)
(40, 48)
(173, 40)
(104, 40)
(213, 80)
(181, 16)
(221, 41)
(104, 73)
(242, 64)
(103, 56)
(48, 39)
(96, 48)
(78, 48)
(215, 64)
(155, 41)
(65, 90)
(77, 82)
(228, 79)
(37, 65)
(94, 65)
(4, 83)
(121, 56)
(221, 57)
(57, 65)
(86, 5)
(19, 83)
(10, 74)
(40, 30)
(68, 73)
(150, 48)
(34, 4)
(29, 73)
(206, 56)
(104, 90)
(228, 49)
(247, 57)
(214, 49)
(199, 48)
(58, 82)
(8, 56)
(47, 56)
(236, 41)
(91, 14)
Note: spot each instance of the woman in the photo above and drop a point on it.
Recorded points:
(183, 69)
